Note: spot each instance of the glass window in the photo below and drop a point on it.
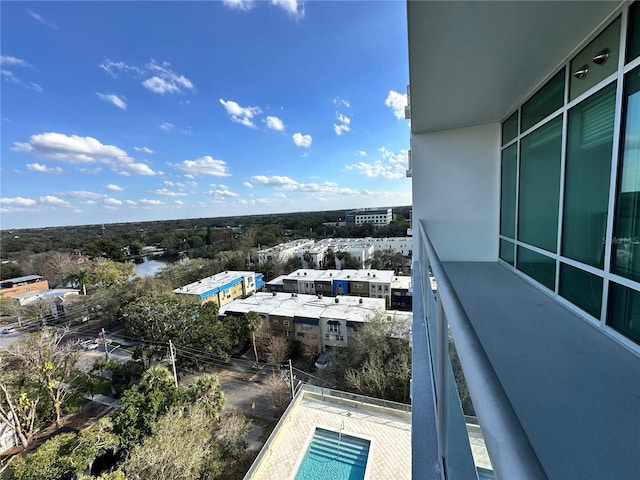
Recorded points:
(508, 191)
(587, 175)
(581, 288)
(624, 311)
(626, 237)
(540, 186)
(539, 267)
(633, 32)
(507, 250)
(546, 101)
(510, 128)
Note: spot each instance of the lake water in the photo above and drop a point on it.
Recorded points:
(149, 266)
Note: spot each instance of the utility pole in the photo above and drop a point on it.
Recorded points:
(106, 347)
(172, 356)
(291, 379)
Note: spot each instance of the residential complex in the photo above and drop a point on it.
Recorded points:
(378, 217)
(395, 289)
(359, 249)
(329, 319)
(223, 287)
(524, 166)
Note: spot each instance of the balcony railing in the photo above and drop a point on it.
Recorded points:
(510, 451)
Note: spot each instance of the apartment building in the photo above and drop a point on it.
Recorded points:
(525, 179)
(379, 217)
(223, 287)
(284, 251)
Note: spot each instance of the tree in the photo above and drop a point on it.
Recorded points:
(277, 349)
(105, 273)
(144, 405)
(310, 345)
(66, 455)
(18, 411)
(79, 279)
(254, 323)
(159, 457)
(207, 394)
(308, 258)
(278, 391)
(44, 359)
(232, 434)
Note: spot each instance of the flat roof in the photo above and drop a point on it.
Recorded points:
(384, 276)
(219, 280)
(350, 308)
(388, 430)
(26, 278)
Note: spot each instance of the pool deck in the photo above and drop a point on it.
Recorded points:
(389, 432)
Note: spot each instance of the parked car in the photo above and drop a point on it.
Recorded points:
(8, 330)
(325, 360)
(88, 345)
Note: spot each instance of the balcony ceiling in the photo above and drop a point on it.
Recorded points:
(473, 62)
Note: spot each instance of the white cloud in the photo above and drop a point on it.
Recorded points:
(55, 201)
(112, 99)
(169, 193)
(391, 165)
(40, 18)
(302, 140)
(342, 125)
(245, 5)
(80, 150)
(37, 167)
(360, 153)
(37, 87)
(316, 190)
(222, 191)
(242, 115)
(274, 123)
(341, 101)
(166, 126)
(151, 203)
(156, 77)
(70, 148)
(206, 165)
(114, 188)
(18, 62)
(178, 202)
(84, 194)
(248, 185)
(292, 7)
(112, 202)
(17, 202)
(396, 101)
(144, 150)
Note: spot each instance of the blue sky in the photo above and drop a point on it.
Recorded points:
(133, 111)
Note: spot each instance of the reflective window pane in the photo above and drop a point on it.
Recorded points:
(626, 238)
(587, 176)
(546, 101)
(540, 186)
(633, 32)
(507, 250)
(539, 267)
(624, 311)
(582, 289)
(510, 128)
(508, 192)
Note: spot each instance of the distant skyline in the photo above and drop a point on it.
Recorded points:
(137, 111)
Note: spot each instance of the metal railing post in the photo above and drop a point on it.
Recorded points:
(442, 355)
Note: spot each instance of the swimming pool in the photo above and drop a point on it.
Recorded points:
(334, 456)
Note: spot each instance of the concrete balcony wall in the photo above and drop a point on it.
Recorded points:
(456, 190)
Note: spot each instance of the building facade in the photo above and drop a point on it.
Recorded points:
(525, 184)
(224, 287)
(379, 217)
(19, 285)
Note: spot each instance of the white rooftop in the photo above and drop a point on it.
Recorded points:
(356, 309)
(215, 281)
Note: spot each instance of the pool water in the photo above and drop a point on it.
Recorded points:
(332, 456)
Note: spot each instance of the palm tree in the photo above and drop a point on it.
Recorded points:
(254, 322)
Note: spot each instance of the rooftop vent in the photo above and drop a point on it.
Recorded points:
(337, 300)
(360, 301)
(274, 294)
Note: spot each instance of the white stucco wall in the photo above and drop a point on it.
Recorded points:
(456, 190)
